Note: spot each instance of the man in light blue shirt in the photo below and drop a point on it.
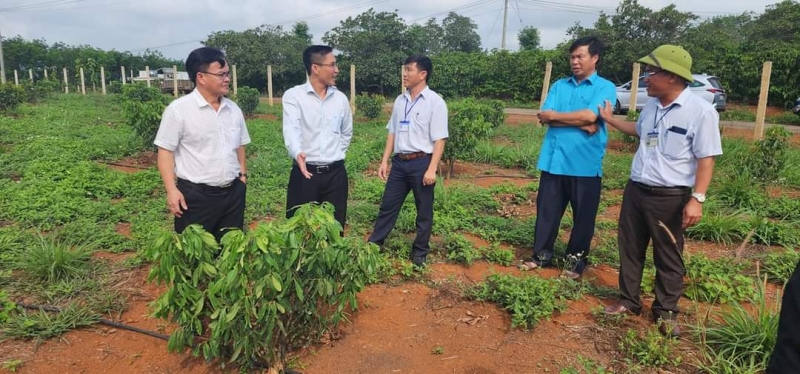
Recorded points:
(417, 134)
(571, 158)
(679, 138)
(317, 129)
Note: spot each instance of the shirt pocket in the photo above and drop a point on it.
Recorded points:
(676, 144)
(335, 123)
(234, 136)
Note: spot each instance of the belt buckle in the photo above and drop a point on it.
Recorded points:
(323, 168)
(226, 185)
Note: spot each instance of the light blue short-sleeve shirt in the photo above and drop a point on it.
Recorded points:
(569, 150)
(687, 129)
(417, 124)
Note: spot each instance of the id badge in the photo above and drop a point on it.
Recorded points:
(652, 139)
(404, 125)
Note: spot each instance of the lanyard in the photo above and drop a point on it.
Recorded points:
(657, 120)
(407, 110)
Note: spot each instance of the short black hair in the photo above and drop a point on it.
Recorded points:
(314, 55)
(595, 45)
(200, 58)
(423, 63)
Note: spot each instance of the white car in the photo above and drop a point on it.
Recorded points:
(706, 86)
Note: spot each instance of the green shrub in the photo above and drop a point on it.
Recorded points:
(651, 349)
(722, 280)
(494, 112)
(52, 260)
(467, 126)
(11, 96)
(500, 256)
(528, 299)
(370, 106)
(780, 266)
(633, 116)
(740, 340)
(114, 87)
(768, 159)
(460, 249)
(263, 293)
(143, 107)
(247, 99)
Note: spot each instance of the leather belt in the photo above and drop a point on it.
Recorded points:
(663, 191)
(411, 156)
(322, 169)
(207, 187)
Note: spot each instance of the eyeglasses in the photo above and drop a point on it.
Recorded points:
(650, 73)
(332, 65)
(221, 75)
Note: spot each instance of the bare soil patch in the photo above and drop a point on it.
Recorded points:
(136, 163)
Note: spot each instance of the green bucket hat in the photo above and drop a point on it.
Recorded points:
(672, 58)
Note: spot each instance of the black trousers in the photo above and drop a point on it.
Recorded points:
(328, 184)
(407, 176)
(786, 356)
(644, 210)
(216, 209)
(555, 191)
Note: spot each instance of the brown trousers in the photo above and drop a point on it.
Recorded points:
(652, 213)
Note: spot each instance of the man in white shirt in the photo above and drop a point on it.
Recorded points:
(317, 129)
(201, 154)
(417, 135)
(678, 140)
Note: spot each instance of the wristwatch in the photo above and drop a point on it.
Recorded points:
(243, 175)
(700, 197)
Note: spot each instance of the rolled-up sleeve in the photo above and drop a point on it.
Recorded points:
(292, 133)
(169, 131)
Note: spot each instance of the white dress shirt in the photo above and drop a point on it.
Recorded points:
(204, 140)
(322, 129)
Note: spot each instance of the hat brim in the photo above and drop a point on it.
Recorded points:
(668, 66)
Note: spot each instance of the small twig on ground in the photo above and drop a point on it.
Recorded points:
(743, 246)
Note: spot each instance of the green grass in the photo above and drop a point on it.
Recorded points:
(52, 260)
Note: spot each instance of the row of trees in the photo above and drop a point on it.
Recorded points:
(732, 47)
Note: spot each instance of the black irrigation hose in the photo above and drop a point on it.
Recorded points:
(101, 320)
(134, 329)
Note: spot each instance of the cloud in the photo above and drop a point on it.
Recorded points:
(135, 25)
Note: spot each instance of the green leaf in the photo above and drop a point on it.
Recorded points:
(276, 283)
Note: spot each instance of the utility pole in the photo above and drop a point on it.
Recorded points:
(505, 21)
(2, 63)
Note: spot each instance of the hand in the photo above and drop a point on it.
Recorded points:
(692, 213)
(429, 178)
(175, 202)
(383, 170)
(243, 179)
(591, 129)
(606, 112)
(301, 163)
(546, 116)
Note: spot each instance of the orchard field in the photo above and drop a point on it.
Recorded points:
(81, 202)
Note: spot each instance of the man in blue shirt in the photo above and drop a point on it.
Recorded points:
(571, 158)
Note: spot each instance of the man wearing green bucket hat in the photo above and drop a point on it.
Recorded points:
(671, 171)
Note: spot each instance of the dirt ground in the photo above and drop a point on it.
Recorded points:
(416, 327)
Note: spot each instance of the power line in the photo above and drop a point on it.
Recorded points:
(78, 7)
(473, 5)
(17, 8)
(495, 23)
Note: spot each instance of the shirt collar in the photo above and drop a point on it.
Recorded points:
(201, 101)
(679, 101)
(590, 79)
(310, 89)
(422, 93)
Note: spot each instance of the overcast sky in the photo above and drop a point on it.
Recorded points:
(175, 27)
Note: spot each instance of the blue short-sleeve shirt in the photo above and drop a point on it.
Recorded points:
(570, 150)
